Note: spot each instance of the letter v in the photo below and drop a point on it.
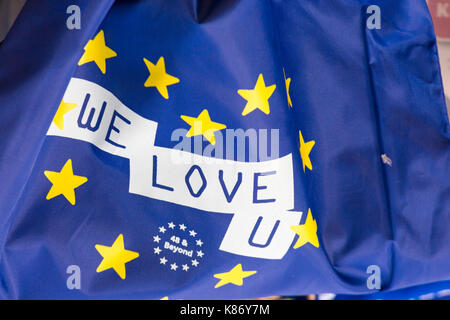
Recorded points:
(228, 196)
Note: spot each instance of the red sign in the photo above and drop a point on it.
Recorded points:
(440, 12)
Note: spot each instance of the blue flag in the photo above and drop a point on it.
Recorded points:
(196, 149)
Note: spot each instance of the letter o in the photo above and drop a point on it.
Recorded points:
(188, 183)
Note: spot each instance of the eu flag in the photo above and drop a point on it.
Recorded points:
(201, 149)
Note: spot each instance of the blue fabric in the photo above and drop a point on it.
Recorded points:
(358, 93)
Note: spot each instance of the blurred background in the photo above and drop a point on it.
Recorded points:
(9, 9)
(440, 12)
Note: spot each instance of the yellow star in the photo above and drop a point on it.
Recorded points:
(64, 182)
(287, 81)
(202, 125)
(305, 150)
(306, 232)
(97, 51)
(159, 78)
(235, 276)
(63, 108)
(115, 257)
(257, 98)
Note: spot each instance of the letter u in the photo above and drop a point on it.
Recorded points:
(255, 229)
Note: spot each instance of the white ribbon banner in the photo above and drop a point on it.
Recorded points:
(259, 194)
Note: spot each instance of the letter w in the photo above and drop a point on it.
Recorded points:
(88, 123)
